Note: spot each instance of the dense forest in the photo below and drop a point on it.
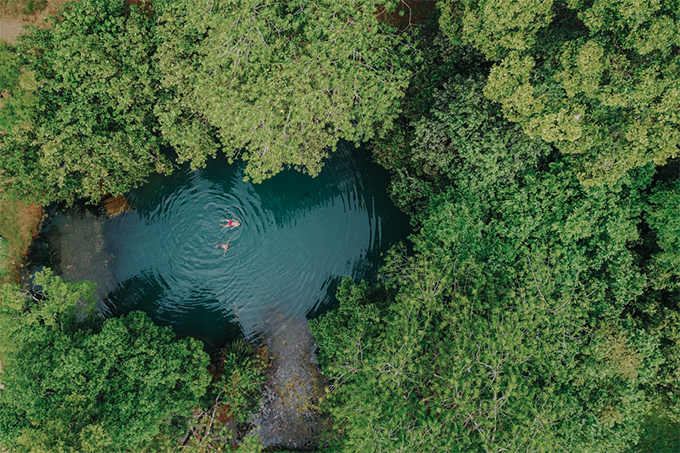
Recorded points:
(533, 143)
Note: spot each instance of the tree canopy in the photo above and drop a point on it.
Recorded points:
(534, 143)
(524, 320)
(599, 80)
(76, 382)
(79, 121)
(95, 99)
(663, 218)
(279, 83)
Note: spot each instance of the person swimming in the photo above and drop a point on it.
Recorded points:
(230, 223)
(223, 246)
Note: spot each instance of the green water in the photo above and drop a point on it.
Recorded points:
(299, 237)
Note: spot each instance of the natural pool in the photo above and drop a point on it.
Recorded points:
(299, 237)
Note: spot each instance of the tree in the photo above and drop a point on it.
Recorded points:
(80, 120)
(459, 366)
(598, 79)
(659, 310)
(18, 106)
(279, 82)
(462, 140)
(76, 383)
(515, 324)
(664, 220)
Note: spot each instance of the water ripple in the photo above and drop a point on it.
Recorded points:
(299, 236)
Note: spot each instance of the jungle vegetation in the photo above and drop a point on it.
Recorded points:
(534, 144)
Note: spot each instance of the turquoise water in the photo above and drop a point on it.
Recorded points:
(299, 237)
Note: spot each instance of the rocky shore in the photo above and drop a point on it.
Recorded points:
(289, 417)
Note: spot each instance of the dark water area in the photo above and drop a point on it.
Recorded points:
(299, 237)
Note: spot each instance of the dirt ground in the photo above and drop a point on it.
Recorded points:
(12, 19)
(19, 223)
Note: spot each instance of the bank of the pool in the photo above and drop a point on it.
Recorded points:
(20, 223)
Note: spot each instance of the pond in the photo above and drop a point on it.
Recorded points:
(299, 236)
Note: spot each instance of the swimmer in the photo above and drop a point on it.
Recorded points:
(230, 223)
(223, 246)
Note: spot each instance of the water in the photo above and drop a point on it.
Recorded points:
(299, 237)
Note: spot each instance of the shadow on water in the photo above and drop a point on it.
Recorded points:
(148, 290)
(299, 237)
(148, 198)
(291, 194)
(364, 269)
(329, 300)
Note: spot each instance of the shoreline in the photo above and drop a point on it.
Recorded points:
(20, 223)
(289, 415)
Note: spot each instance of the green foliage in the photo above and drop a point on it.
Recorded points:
(518, 324)
(540, 310)
(664, 219)
(241, 349)
(18, 109)
(280, 82)
(661, 435)
(80, 121)
(504, 332)
(89, 385)
(463, 140)
(3, 257)
(659, 310)
(33, 6)
(600, 80)
(250, 444)
(232, 398)
(94, 98)
(348, 332)
(241, 384)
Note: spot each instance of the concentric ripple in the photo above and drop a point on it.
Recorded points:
(299, 236)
